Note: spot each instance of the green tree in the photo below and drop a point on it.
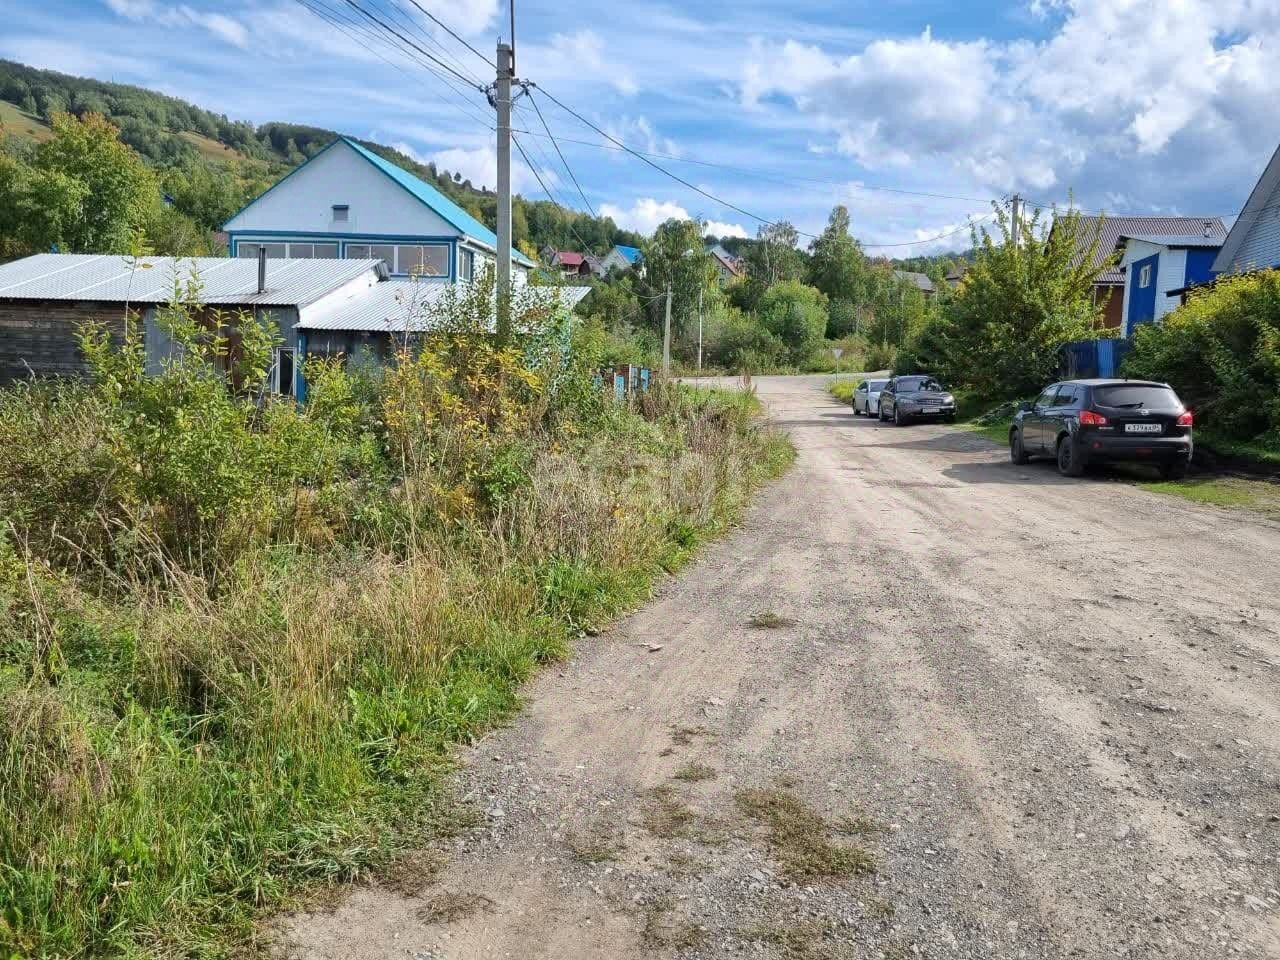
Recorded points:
(676, 257)
(837, 266)
(117, 192)
(1018, 304)
(797, 315)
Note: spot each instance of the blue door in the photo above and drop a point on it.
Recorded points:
(1143, 276)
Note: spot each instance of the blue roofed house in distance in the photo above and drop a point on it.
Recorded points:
(620, 258)
(346, 202)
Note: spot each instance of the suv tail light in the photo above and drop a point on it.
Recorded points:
(1090, 419)
(1186, 419)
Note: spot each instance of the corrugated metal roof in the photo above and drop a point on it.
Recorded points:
(1112, 228)
(109, 278)
(1173, 240)
(436, 200)
(411, 306)
(921, 280)
(631, 254)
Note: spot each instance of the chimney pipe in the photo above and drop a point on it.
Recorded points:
(262, 268)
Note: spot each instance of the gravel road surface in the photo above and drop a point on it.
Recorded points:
(983, 712)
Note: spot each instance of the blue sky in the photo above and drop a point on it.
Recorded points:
(1163, 106)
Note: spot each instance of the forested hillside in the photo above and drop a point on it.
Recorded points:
(208, 165)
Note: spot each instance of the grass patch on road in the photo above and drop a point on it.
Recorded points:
(768, 620)
(1258, 496)
(800, 838)
(695, 773)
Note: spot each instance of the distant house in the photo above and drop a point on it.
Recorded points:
(1108, 286)
(570, 264)
(1158, 271)
(620, 258)
(45, 299)
(920, 281)
(728, 267)
(348, 203)
(956, 274)
(1254, 240)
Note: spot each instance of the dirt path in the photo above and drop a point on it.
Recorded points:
(1049, 710)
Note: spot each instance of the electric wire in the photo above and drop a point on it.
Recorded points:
(447, 29)
(560, 153)
(388, 27)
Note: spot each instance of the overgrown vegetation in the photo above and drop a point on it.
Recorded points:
(1221, 352)
(238, 637)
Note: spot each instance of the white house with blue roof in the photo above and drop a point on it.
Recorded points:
(620, 258)
(348, 203)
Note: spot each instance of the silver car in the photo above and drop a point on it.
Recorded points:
(866, 399)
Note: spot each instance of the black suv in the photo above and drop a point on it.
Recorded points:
(1080, 422)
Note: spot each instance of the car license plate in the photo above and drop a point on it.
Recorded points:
(1142, 428)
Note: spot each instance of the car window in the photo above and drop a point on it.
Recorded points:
(878, 384)
(1046, 399)
(862, 387)
(1066, 397)
(1137, 395)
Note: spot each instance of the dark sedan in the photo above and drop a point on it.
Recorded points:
(915, 397)
(1080, 422)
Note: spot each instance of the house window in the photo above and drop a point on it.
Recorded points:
(466, 265)
(284, 372)
(375, 251)
(423, 261)
(1144, 276)
(275, 251)
(307, 251)
(341, 213)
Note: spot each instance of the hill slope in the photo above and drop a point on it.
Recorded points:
(172, 134)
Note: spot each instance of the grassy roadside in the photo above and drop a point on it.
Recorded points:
(187, 745)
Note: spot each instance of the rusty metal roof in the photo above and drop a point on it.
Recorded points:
(110, 278)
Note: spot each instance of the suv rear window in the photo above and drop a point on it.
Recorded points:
(1136, 396)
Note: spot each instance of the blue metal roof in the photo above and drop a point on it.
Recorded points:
(631, 253)
(436, 200)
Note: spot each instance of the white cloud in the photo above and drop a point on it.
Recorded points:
(646, 214)
(640, 133)
(718, 228)
(1121, 89)
(225, 28)
(480, 166)
(570, 63)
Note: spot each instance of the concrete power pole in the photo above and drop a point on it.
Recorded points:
(1015, 231)
(502, 103)
(699, 331)
(666, 339)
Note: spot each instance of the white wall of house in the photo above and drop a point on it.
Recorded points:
(1260, 248)
(377, 205)
(1170, 274)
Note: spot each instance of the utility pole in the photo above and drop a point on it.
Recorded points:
(666, 338)
(502, 103)
(1015, 231)
(699, 331)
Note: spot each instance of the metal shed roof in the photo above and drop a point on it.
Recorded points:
(1172, 240)
(109, 278)
(410, 306)
(920, 280)
(1111, 229)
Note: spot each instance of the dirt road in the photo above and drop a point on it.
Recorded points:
(1048, 710)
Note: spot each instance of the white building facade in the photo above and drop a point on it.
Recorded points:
(348, 203)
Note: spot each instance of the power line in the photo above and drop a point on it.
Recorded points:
(449, 30)
(560, 153)
(774, 177)
(341, 20)
(720, 200)
(409, 19)
(538, 177)
(391, 29)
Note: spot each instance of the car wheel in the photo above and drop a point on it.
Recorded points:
(898, 419)
(1070, 463)
(1177, 470)
(880, 413)
(1017, 454)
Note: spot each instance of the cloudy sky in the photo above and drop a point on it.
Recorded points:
(779, 109)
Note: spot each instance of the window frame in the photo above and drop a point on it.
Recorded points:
(1144, 276)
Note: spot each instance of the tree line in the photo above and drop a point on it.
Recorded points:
(199, 183)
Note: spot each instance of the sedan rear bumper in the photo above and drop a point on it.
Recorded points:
(1098, 448)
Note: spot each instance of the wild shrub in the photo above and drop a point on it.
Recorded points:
(221, 682)
(1221, 352)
